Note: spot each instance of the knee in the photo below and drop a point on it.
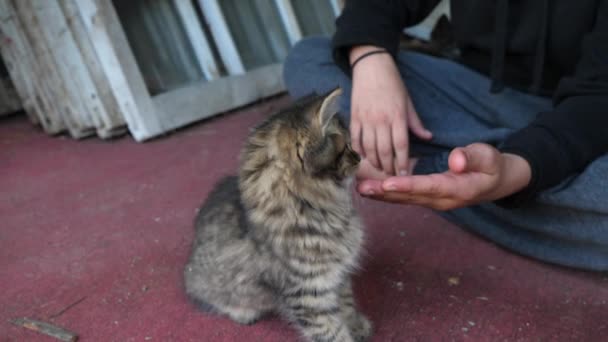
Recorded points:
(308, 50)
(303, 64)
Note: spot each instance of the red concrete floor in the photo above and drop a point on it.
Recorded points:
(94, 235)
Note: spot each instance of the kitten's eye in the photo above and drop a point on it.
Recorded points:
(339, 141)
(300, 156)
(341, 154)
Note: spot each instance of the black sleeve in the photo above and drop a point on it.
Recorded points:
(562, 142)
(375, 22)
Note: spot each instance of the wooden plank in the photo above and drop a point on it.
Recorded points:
(222, 36)
(111, 123)
(11, 50)
(9, 100)
(51, 68)
(46, 329)
(20, 62)
(337, 6)
(289, 20)
(205, 99)
(423, 29)
(197, 38)
(71, 67)
(119, 66)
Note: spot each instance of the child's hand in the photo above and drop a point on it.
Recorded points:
(477, 173)
(382, 112)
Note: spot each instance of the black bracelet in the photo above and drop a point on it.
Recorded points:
(367, 54)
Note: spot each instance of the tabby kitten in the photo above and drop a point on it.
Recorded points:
(284, 235)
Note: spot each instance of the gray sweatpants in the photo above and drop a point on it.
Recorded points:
(566, 225)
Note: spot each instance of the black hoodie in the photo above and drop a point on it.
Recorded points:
(553, 48)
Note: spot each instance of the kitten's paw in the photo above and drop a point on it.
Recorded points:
(244, 316)
(361, 328)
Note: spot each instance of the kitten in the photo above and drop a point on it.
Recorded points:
(284, 236)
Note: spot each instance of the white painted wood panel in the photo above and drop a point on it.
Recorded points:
(118, 63)
(289, 20)
(9, 101)
(48, 56)
(110, 120)
(337, 6)
(423, 29)
(81, 94)
(30, 71)
(17, 58)
(198, 101)
(75, 69)
(221, 34)
(197, 38)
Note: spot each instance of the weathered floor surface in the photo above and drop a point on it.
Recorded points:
(94, 235)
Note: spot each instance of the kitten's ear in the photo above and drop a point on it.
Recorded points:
(329, 108)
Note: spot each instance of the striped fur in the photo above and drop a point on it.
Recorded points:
(283, 236)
